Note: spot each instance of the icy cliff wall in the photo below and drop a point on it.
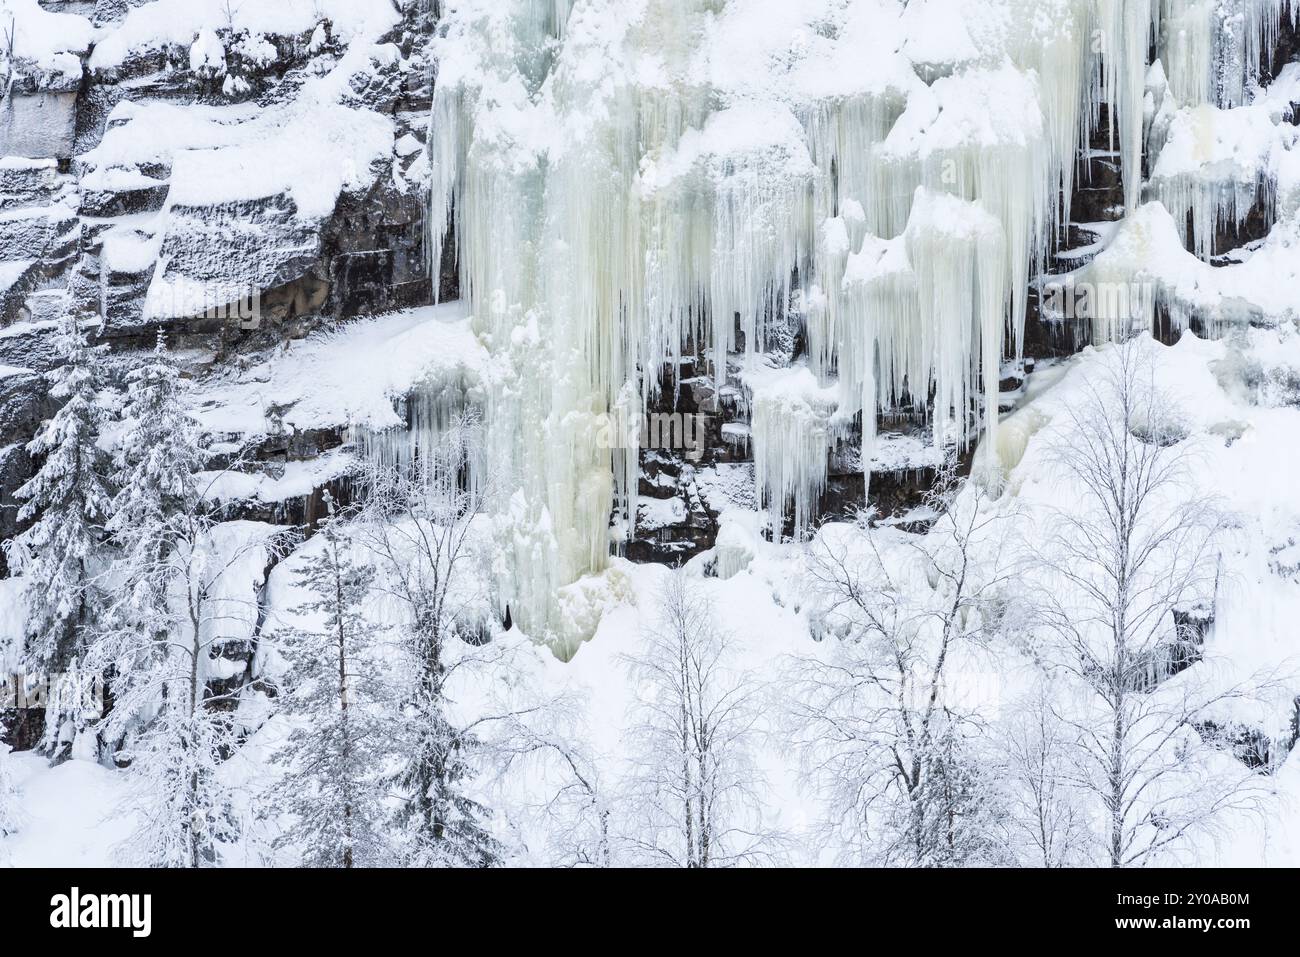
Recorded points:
(825, 229)
(628, 182)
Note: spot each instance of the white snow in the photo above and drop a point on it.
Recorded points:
(311, 151)
(178, 22)
(297, 480)
(632, 179)
(348, 378)
(656, 513)
(48, 41)
(74, 815)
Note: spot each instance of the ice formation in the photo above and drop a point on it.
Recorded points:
(792, 430)
(1146, 268)
(1214, 50)
(929, 308)
(1217, 165)
(626, 182)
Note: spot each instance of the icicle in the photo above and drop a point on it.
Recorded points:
(1215, 168)
(622, 189)
(1247, 32)
(1188, 48)
(429, 414)
(1126, 28)
(1058, 47)
(842, 138)
(538, 163)
(732, 223)
(881, 299)
(958, 251)
(1001, 159)
(560, 10)
(822, 306)
(792, 437)
(926, 314)
(1215, 50)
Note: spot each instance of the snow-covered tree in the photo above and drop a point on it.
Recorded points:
(339, 702)
(1045, 820)
(69, 498)
(158, 462)
(694, 795)
(1136, 545)
(576, 809)
(421, 525)
(178, 575)
(158, 459)
(889, 734)
(179, 725)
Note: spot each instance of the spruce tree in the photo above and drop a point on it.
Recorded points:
(157, 459)
(69, 498)
(158, 463)
(337, 701)
(170, 615)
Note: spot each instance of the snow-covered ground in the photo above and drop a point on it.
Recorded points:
(74, 815)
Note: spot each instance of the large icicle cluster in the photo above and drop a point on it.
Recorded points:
(1213, 50)
(1217, 164)
(793, 424)
(928, 308)
(626, 180)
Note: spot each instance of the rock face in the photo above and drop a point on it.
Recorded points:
(44, 68)
(40, 123)
(22, 407)
(231, 185)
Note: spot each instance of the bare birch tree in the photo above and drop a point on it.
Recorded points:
(887, 740)
(576, 809)
(694, 793)
(1045, 820)
(1132, 567)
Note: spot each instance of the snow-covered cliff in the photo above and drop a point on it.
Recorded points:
(701, 280)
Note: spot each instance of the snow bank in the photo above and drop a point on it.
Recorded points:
(43, 40)
(348, 378)
(74, 815)
(178, 22)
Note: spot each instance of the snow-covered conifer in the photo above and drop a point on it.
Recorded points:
(69, 498)
(158, 460)
(166, 628)
(336, 697)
